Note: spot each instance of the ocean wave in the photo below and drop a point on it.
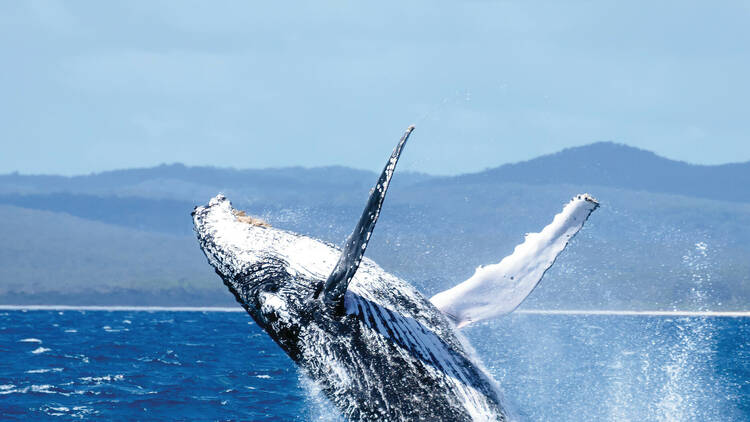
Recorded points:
(77, 412)
(82, 358)
(99, 380)
(43, 388)
(43, 370)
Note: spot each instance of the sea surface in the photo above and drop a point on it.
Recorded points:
(199, 365)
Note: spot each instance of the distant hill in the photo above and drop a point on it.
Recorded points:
(125, 237)
(621, 166)
(56, 258)
(176, 181)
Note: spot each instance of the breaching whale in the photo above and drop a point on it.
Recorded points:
(376, 347)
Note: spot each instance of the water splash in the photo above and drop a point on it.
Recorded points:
(317, 406)
(688, 368)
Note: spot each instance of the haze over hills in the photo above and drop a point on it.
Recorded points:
(665, 230)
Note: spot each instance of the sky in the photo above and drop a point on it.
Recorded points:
(88, 86)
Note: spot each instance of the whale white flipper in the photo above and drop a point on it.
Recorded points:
(498, 289)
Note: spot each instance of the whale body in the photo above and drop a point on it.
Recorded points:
(376, 347)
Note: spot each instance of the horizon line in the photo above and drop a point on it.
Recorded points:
(436, 175)
(674, 313)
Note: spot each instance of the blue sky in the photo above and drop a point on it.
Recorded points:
(89, 85)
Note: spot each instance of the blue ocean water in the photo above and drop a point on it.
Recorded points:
(134, 365)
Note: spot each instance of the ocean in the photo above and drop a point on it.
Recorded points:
(206, 365)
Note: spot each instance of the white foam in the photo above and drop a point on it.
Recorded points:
(44, 388)
(43, 370)
(40, 350)
(30, 340)
(116, 377)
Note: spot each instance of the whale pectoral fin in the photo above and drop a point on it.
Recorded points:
(498, 289)
(354, 249)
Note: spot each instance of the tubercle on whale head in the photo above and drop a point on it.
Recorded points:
(588, 198)
(248, 219)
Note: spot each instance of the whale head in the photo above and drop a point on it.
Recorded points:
(282, 276)
(284, 280)
(271, 272)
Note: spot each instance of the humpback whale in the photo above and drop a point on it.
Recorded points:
(376, 347)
